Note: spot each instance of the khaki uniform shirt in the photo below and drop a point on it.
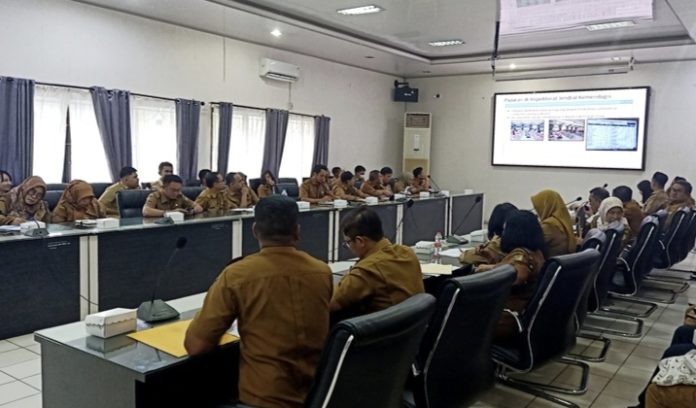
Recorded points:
(418, 185)
(371, 190)
(156, 185)
(280, 297)
(236, 198)
(215, 201)
(7, 215)
(108, 198)
(312, 189)
(159, 201)
(265, 191)
(555, 239)
(385, 276)
(67, 213)
(634, 215)
(657, 201)
(488, 253)
(341, 190)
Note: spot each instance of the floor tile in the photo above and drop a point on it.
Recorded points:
(7, 346)
(36, 348)
(652, 353)
(634, 375)
(623, 390)
(607, 401)
(31, 402)
(24, 369)
(34, 381)
(506, 397)
(4, 378)
(23, 341)
(570, 377)
(15, 390)
(16, 356)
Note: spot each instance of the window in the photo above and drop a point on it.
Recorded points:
(246, 143)
(88, 158)
(299, 148)
(153, 129)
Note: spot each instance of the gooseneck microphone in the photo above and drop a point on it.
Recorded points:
(156, 310)
(452, 239)
(573, 201)
(409, 204)
(437, 187)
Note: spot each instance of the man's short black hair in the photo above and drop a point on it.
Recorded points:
(417, 171)
(165, 164)
(623, 193)
(386, 170)
(374, 175)
(599, 193)
(211, 178)
(497, 220)
(660, 179)
(645, 190)
(171, 178)
(318, 168)
(362, 222)
(202, 174)
(126, 171)
(359, 169)
(229, 178)
(336, 171)
(276, 218)
(346, 176)
(522, 230)
(687, 186)
(678, 178)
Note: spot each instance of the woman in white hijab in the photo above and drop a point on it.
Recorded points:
(611, 210)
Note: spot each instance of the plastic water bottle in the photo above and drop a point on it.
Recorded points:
(437, 245)
(285, 193)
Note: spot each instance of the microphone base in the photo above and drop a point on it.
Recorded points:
(453, 239)
(156, 311)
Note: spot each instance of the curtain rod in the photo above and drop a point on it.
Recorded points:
(86, 88)
(262, 109)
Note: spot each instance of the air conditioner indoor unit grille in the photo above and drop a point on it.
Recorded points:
(278, 70)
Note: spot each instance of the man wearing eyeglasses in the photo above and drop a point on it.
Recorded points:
(385, 274)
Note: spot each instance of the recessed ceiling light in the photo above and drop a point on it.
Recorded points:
(513, 66)
(610, 25)
(276, 33)
(356, 11)
(616, 58)
(445, 43)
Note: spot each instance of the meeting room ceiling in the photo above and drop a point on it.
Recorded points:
(396, 40)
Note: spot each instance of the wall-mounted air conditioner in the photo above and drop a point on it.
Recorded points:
(278, 70)
(564, 72)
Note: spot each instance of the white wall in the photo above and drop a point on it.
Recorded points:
(66, 42)
(462, 133)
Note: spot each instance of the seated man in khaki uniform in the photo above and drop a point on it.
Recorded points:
(632, 212)
(659, 199)
(374, 187)
(169, 198)
(237, 190)
(280, 296)
(164, 169)
(344, 188)
(335, 176)
(420, 181)
(385, 274)
(215, 199)
(315, 189)
(128, 181)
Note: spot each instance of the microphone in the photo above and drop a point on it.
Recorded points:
(157, 310)
(38, 232)
(438, 189)
(605, 185)
(573, 201)
(409, 204)
(452, 239)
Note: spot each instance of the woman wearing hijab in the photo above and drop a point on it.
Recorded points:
(78, 203)
(555, 223)
(490, 252)
(25, 202)
(612, 210)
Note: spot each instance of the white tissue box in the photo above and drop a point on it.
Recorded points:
(479, 236)
(371, 200)
(424, 194)
(175, 216)
(30, 225)
(340, 203)
(445, 193)
(111, 323)
(399, 196)
(107, 223)
(424, 247)
(303, 205)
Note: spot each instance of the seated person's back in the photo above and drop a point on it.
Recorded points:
(281, 297)
(490, 252)
(385, 274)
(556, 224)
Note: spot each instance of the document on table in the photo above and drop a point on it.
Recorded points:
(452, 252)
(170, 337)
(436, 269)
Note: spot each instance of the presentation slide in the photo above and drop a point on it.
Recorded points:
(599, 128)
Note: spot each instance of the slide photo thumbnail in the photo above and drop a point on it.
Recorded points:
(566, 130)
(532, 130)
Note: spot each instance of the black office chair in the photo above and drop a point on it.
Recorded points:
(130, 202)
(287, 180)
(661, 219)
(670, 248)
(56, 186)
(254, 184)
(99, 188)
(454, 365)
(366, 359)
(146, 186)
(52, 197)
(193, 183)
(289, 184)
(548, 326)
(192, 192)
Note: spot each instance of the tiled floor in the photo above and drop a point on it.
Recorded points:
(614, 383)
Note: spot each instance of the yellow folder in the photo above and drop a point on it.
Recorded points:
(436, 269)
(170, 337)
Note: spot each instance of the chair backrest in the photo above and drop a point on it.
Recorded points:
(192, 192)
(287, 180)
(366, 359)
(99, 188)
(690, 240)
(291, 189)
(662, 219)
(56, 186)
(548, 321)
(52, 197)
(639, 259)
(594, 239)
(675, 236)
(254, 184)
(454, 362)
(130, 202)
(146, 186)
(599, 290)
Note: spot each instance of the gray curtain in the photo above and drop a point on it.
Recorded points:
(276, 129)
(224, 135)
(112, 109)
(16, 127)
(188, 115)
(321, 140)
